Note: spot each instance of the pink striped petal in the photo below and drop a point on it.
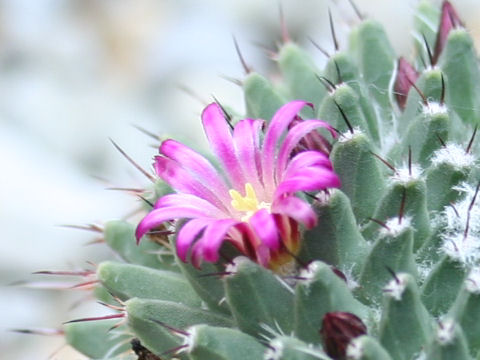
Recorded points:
(280, 121)
(196, 256)
(293, 137)
(296, 209)
(187, 235)
(189, 200)
(314, 172)
(244, 238)
(307, 159)
(246, 136)
(261, 251)
(220, 139)
(263, 255)
(181, 180)
(309, 180)
(237, 235)
(212, 239)
(157, 217)
(196, 164)
(263, 223)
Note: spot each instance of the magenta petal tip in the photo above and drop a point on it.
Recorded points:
(406, 76)
(449, 20)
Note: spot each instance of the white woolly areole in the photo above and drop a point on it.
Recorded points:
(465, 250)
(459, 246)
(424, 268)
(446, 331)
(274, 351)
(355, 349)
(404, 175)
(396, 227)
(308, 273)
(454, 155)
(352, 283)
(232, 267)
(323, 197)
(188, 340)
(472, 282)
(347, 135)
(434, 108)
(459, 243)
(456, 216)
(396, 287)
(277, 346)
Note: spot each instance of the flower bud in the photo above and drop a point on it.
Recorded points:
(449, 20)
(338, 330)
(314, 140)
(406, 76)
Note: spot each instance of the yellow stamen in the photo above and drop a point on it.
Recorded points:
(248, 203)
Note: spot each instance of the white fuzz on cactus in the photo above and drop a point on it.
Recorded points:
(454, 155)
(396, 287)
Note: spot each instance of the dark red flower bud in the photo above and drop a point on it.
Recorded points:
(338, 329)
(312, 141)
(406, 76)
(449, 20)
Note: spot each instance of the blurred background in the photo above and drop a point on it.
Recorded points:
(74, 73)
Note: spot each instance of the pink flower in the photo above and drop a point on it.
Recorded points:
(255, 206)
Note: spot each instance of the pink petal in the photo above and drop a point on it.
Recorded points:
(316, 173)
(212, 239)
(157, 217)
(181, 180)
(296, 209)
(188, 200)
(196, 164)
(293, 137)
(307, 159)
(280, 121)
(302, 165)
(263, 223)
(246, 136)
(263, 255)
(310, 180)
(196, 256)
(188, 234)
(244, 232)
(220, 139)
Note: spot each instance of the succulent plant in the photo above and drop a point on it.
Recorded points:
(356, 236)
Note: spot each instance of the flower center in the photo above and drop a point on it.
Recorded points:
(248, 203)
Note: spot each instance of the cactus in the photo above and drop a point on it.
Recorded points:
(356, 236)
